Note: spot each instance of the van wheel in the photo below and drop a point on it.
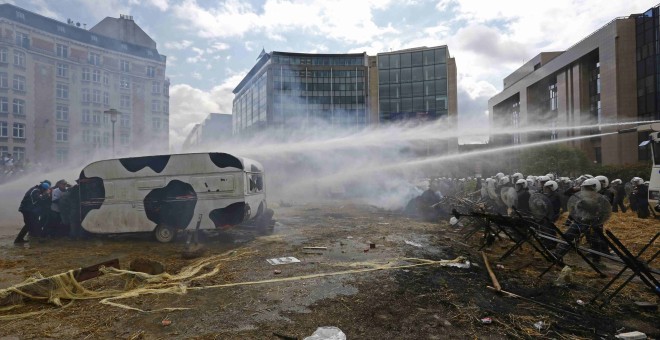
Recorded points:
(164, 233)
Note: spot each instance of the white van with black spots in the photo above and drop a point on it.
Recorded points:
(167, 193)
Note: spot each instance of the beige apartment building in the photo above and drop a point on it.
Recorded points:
(57, 80)
(609, 76)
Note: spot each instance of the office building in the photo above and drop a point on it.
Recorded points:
(57, 79)
(287, 91)
(609, 76)
(215, 130)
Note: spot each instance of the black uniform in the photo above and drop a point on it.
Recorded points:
(641, 195)
(523, 201)
(620, 194)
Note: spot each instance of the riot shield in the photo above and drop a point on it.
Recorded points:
(589, 207)
(540, 206)
(509, 197)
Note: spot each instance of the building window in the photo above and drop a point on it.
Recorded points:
(19, 106)
(149, 53)
(18, 130)
(151, 71)
(22, 40)
(125, 82)
(125, 101)
(62, 155)
(125, 121)
(4, 150)
(4, 55)
(86, 116)
(553, 96)
(62, 113)
(166, 107)
(62, 70)
(61, 29)
(155, 87)
(19, 83)
(4, 104)
(155, 105)
(125, 66)
(106, 139)
(96, 76)
(62, 134)
(4, 129)
(94, 59)
(124, 139)
(86, 75)
(4, 80)
(19, 58)
(96, 139)
(106, 79)
(20, 15)
(19, 153)
(96, 118)
(124, 47)
(95, 39)
(155, 122)
(106, 98)
(86, 96)
(106, 120)
(96, 96)
(62, 91)
(62, 51)
(86, 136)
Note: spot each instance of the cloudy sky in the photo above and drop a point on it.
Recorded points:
(211, 44)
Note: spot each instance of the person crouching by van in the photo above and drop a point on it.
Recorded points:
(70, 211)
(31, 208)
(55, 225)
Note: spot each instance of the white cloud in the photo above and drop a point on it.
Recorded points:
(43, 8)
(178, 45)
(329, 19)
(190, 105)
(162, 5)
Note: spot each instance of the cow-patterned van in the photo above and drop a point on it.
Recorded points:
(167, 193)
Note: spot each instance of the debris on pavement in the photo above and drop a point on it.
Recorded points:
(315, 248)
(414, 244)
(283, 260)
(166, 322)
(539, 325)
(327, 333)
(565, 277)
(486, 321)
(631, 336)
(277, 272)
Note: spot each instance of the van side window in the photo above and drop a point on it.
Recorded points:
(256, 183)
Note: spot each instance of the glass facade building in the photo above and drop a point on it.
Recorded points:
(413, 84)
(297, 90)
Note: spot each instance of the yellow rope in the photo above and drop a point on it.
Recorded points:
(64, 286)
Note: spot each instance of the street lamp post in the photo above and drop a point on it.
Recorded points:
(113, 118)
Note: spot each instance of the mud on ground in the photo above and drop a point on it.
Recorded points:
(428, 302)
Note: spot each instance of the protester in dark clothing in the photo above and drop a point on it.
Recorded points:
(32, 207)
(70, 211)
(619, 195)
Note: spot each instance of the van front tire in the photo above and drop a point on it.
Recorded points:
(164, 233)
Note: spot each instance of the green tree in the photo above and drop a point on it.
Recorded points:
(560, 159)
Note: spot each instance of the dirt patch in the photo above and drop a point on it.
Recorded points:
(420, 302)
